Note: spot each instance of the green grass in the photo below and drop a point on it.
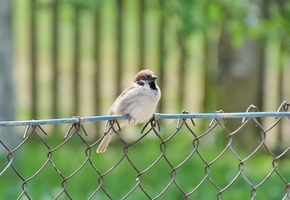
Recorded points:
(48, 183)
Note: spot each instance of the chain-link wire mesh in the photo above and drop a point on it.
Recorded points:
(185, 162)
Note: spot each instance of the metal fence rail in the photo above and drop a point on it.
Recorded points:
(102, 168)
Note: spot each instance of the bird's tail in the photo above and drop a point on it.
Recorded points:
(104, 143)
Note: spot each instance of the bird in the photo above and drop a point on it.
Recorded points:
(139, 100)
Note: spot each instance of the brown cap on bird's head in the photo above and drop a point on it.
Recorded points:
(145, 74)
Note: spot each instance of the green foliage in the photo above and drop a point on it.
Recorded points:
(277, 26)
(245, 19)
(86, 4)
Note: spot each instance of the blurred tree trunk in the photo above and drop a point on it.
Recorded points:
(209, 98)
(240, 83)
(7, 134)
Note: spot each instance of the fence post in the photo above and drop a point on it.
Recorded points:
(181, 71)
(97, 69)
(162, 52)
(76, 61)
(33, 60)
(142, 6)
(119, 64)
(55, 54)
(7, 101)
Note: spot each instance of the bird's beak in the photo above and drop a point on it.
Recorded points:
(153, 77)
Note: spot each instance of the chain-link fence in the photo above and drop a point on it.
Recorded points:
(198, 157)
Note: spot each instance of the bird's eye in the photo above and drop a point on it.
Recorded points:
(141, 83)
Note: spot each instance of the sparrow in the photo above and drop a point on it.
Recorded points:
(139, 100)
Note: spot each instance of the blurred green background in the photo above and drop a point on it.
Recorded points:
(63, 58)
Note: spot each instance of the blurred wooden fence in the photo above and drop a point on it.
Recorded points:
(91, 29)
(74, 57)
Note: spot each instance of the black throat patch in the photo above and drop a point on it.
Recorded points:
(152, 85)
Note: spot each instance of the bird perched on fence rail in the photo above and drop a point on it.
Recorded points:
(139, 100)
